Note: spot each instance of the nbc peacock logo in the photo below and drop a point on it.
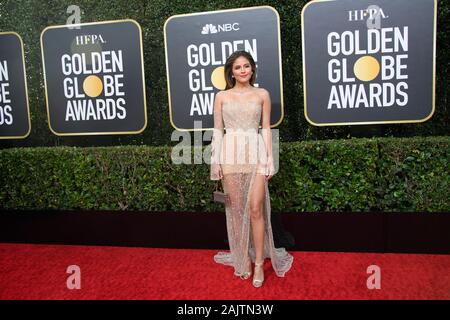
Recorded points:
(209, 28)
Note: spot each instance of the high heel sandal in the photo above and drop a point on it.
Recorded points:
(247, 274)
(258, 282)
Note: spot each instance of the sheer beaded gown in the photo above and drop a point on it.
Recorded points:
(241, 152)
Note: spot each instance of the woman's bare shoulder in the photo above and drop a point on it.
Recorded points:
(263, 93)
(222, 94)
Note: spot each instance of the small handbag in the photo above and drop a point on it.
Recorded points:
(220, 196)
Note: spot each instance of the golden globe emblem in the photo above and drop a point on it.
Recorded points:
(218, 78)
(366, 68)
(93, 86)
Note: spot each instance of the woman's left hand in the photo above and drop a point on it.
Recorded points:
(270, 169)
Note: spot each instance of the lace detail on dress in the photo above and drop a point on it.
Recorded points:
(236, 151)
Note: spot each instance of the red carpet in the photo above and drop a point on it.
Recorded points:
(39, 272)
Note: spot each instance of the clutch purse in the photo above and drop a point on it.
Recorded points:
(220, 196)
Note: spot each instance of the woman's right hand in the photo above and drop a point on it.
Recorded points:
(217, 171)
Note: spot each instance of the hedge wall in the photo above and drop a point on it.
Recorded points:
(386, 174)
(30, 17)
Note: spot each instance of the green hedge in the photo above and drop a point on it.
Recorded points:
(410, 174)
(30, 17)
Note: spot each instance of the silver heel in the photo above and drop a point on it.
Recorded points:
(247, 274)
(257, 283)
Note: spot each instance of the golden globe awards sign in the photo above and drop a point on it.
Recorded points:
(197, 46)
(14, 109)
(94, 78)
(368, 62)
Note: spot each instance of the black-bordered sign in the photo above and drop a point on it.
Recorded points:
(369, 61)
(197, 46)
(14, 108)
(94, 78)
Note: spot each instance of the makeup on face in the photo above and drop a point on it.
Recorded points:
(242, 68)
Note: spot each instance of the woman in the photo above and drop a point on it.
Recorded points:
(241, 107)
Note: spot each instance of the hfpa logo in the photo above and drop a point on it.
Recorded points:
(372, 12)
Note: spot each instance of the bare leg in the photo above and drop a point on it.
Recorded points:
(257, 197)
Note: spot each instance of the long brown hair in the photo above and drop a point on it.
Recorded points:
(230, 81)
